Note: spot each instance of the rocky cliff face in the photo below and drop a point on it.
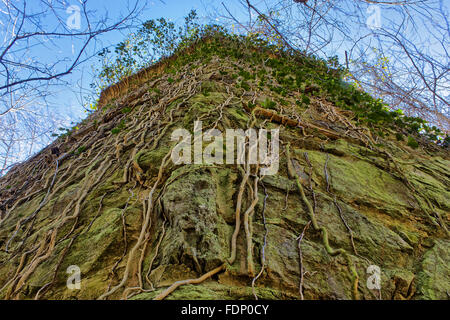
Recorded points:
(108, 199)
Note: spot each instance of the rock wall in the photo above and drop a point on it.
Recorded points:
(108, 199)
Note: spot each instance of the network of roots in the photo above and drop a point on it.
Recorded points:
(107, 145)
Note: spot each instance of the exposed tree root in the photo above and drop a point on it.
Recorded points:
(325, 170)
(48, 285)
(286, 121)
(41, 205)
(346, 225)
(147, 275)
(145, 225)
(330, 250)
(125, 242)
(176, 284)
(238, 215)
(263, 249)
(300, 259)
(239, 201)
(248, 212)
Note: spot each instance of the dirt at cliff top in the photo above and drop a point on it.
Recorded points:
(108, 199)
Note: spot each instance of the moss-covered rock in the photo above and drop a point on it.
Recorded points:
(130, 218)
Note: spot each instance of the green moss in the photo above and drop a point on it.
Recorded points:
(269, 104)
(434, 279)
(213, 291)
(238, 114)
(93, 246)
(151, 159)
(412, 143)
(399, 137)
(214, 98)
(358, 180)
(80, 150)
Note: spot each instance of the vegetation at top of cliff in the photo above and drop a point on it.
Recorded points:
(293, 70)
